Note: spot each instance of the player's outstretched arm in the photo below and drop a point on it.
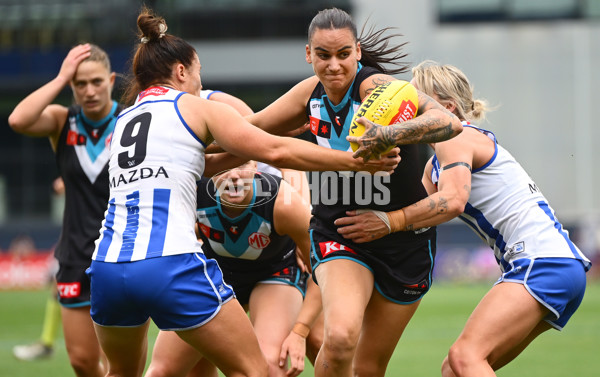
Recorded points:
(433, 123)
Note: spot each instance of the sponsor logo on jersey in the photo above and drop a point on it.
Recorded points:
(73, 138)
(132, 225)
(212, 234)
(153, 91)
(320, 127)
(332, 247)
(69, 290)
(137, 174)
(515, 249)
(259, 240)
(533, 188)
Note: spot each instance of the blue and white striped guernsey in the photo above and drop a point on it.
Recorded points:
(509, 212)
(155, 161)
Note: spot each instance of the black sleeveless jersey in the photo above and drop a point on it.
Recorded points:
(249, 241)
(334, 193)
(82, 157)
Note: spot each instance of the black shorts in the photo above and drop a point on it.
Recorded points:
(402, 273)
(244, 282)
(73, 285)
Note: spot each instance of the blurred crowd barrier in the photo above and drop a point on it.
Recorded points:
(461, 257)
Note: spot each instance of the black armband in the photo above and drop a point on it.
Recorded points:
(455, 164)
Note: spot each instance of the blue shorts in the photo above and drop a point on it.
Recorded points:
(178, 292)
(556, 283)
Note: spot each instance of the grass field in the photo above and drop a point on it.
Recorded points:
(572, 352)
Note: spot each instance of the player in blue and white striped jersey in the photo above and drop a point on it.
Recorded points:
(148, 263)
(543, 272)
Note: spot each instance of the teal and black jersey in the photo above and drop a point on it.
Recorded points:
(337, 192)
(249, 241)
(82, 157)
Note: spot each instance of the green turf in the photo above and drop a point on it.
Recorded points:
(572, 352)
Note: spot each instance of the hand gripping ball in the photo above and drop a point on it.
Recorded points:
(391, 103)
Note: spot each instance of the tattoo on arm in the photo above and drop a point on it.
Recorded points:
(380, 80)
(455, 164)
(431, 204)
(442, 205)
(422, 129)
(376, 81)
(417, 131)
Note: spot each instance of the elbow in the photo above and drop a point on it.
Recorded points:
(456, 207)
(17, 123)
(277, 156)
(14, 122)
(457, 126)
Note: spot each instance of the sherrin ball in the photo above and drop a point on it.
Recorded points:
(391, 103)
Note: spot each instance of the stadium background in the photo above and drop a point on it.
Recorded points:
(532, 59)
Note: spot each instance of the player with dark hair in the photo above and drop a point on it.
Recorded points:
(387, 277)
(148, 263)
(471, 176)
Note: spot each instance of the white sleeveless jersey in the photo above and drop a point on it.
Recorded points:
(207, 93)
(508, 211)
(155, 161)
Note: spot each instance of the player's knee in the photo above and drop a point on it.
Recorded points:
(340, 342)
(83, 362)
(459, 356)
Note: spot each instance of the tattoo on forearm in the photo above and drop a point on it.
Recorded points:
(431, 204)
(410, 227)
(468, 189)
(415, 131)
(443, 205)
(374, 139)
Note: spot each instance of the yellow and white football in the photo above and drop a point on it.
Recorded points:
(393, 102)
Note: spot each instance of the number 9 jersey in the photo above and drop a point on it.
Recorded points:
(155, 161)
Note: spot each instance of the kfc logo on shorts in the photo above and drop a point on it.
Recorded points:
(332, 246)
(69, 290)
(259, 240)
